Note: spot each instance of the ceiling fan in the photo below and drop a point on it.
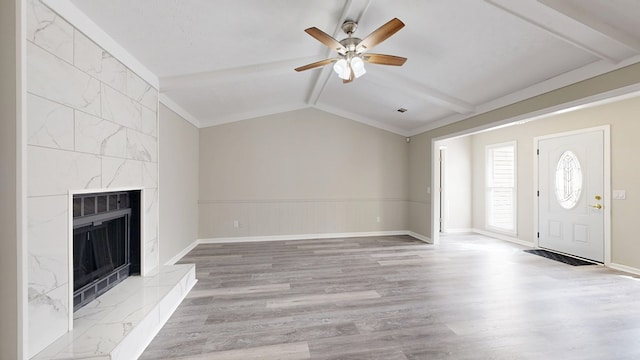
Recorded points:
(349, 64)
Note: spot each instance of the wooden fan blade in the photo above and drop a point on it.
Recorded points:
(381, 34)
(326, 39)
(315, 64)
(383, 59)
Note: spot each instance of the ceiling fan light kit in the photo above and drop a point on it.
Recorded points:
(344, 67)
(349, 64)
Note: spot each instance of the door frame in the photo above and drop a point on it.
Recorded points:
(606, 130)
(442, 190)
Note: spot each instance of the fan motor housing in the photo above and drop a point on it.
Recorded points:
(349, 26)
(350, 43)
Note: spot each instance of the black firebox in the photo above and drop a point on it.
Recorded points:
(106, 242)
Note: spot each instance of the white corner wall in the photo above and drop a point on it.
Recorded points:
(420, 187)
(457, 184)
(300, 173)
(179, 184)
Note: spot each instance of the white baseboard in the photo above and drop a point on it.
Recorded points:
(420, 237)
(299, 237)
(504, 237)
(624, 268)
(458, 231)
(182, 253)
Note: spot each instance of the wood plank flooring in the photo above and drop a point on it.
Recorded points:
(396, 298)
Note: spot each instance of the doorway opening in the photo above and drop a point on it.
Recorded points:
(528, 221)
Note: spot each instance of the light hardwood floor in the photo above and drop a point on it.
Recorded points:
(396, 298)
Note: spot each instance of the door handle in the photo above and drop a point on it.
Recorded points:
(597, 206)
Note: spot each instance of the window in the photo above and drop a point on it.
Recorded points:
(501, 187)
(568, 180)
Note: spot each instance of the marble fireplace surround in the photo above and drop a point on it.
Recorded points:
(121, 322)
(92, 126)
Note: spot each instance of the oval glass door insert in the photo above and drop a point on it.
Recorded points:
(568, 180)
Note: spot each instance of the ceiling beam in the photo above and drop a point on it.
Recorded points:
(207, 78)
(393, 82)
(566, 29)
(571, 78)
(594, 23)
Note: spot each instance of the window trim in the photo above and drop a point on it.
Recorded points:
(487, 188)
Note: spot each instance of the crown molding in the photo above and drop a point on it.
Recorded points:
(173, 106)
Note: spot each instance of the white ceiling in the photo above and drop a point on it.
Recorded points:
(228, 60)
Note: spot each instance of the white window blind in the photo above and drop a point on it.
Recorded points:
(501, 187)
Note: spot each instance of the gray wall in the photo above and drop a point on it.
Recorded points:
(302, 172)
(178, 165)
(10, 281)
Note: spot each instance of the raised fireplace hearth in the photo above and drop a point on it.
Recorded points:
(106, 242)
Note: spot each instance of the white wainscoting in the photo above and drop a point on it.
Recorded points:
(242, 219)
(420, 217)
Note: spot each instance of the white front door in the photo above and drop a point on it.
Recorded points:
(571, 194)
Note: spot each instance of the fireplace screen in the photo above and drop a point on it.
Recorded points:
(101, 244)
(98, 250)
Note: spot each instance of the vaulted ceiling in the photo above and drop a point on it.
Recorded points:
(228, 60)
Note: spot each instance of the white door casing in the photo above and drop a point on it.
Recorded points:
(443, 199)
(571, 202)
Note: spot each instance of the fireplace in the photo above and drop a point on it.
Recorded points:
(106, 242)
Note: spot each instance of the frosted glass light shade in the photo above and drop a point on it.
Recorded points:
(341, 67)
(358, 67)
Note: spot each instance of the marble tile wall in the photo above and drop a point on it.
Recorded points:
(92, 126)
